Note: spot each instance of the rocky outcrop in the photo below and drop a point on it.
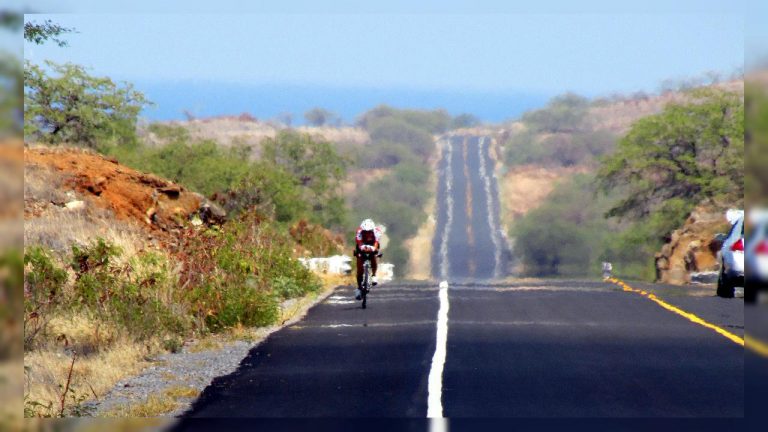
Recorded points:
(691, 249)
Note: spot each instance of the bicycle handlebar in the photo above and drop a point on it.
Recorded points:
(360, 253)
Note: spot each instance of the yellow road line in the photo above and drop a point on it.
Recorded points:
(756, 345)
(689, 316)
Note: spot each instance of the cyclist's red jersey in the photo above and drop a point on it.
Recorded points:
(367, 237)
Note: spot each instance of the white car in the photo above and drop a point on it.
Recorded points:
(757, 256)
(732, 255)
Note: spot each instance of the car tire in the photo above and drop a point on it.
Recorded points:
(750, 293)
(725, 288)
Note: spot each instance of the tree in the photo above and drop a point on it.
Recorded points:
(39, 33)
(397, 130)
(433, 122)
(315, 167)
(11, 86)
(671, 161)
(11, 90)
(464, 121)
(11, 20)
(75, 107)
(319, 116)
(756, 135)
(563, 114)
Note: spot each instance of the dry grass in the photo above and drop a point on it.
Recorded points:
(60, 228)
(167, 376)
(420, 246)
(103, 358)
(156, 405)
(230, 130)
(181, 392)
(619, 116)
(12, 386)
(331, 281)
(153, 406)
(208, 343)
(11, 192)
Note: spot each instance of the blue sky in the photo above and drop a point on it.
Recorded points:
(428, 55)
(590, 54)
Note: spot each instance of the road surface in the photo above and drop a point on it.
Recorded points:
(468, 244)
(482, 345)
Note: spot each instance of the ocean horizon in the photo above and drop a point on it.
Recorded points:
(172, 101)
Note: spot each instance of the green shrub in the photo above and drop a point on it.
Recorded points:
(756, 144)
(43, 286)
(298, 177)
(563, 114)
(568, 235)
(386, 154)
(201, 165)
(127, 295)
(394, 130)
(436, 121)
(224, 304)
(239, 274)
(286, 287)
(130, 296)
(173, 345)
(560, 134)
(559, 149)
(12, 302)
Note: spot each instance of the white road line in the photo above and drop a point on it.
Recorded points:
(435, 395)
(492, 223)
(438, 425)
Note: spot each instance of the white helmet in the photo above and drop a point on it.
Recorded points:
(367, 225)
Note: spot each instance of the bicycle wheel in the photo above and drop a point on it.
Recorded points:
(366, 283)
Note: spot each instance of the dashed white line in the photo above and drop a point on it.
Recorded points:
(435, 382)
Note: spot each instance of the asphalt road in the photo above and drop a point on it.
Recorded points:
(512, 347)
(525, 349)
(468, 243)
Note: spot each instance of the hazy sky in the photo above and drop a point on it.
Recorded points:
(549, 53)
(390, 6)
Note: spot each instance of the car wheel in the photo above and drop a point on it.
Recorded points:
(750, 293)
(724, 285)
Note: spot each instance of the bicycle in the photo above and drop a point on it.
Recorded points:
(366, 285)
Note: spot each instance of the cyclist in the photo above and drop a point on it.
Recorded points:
(367, 246)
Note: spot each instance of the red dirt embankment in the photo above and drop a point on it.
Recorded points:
(131, 195)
